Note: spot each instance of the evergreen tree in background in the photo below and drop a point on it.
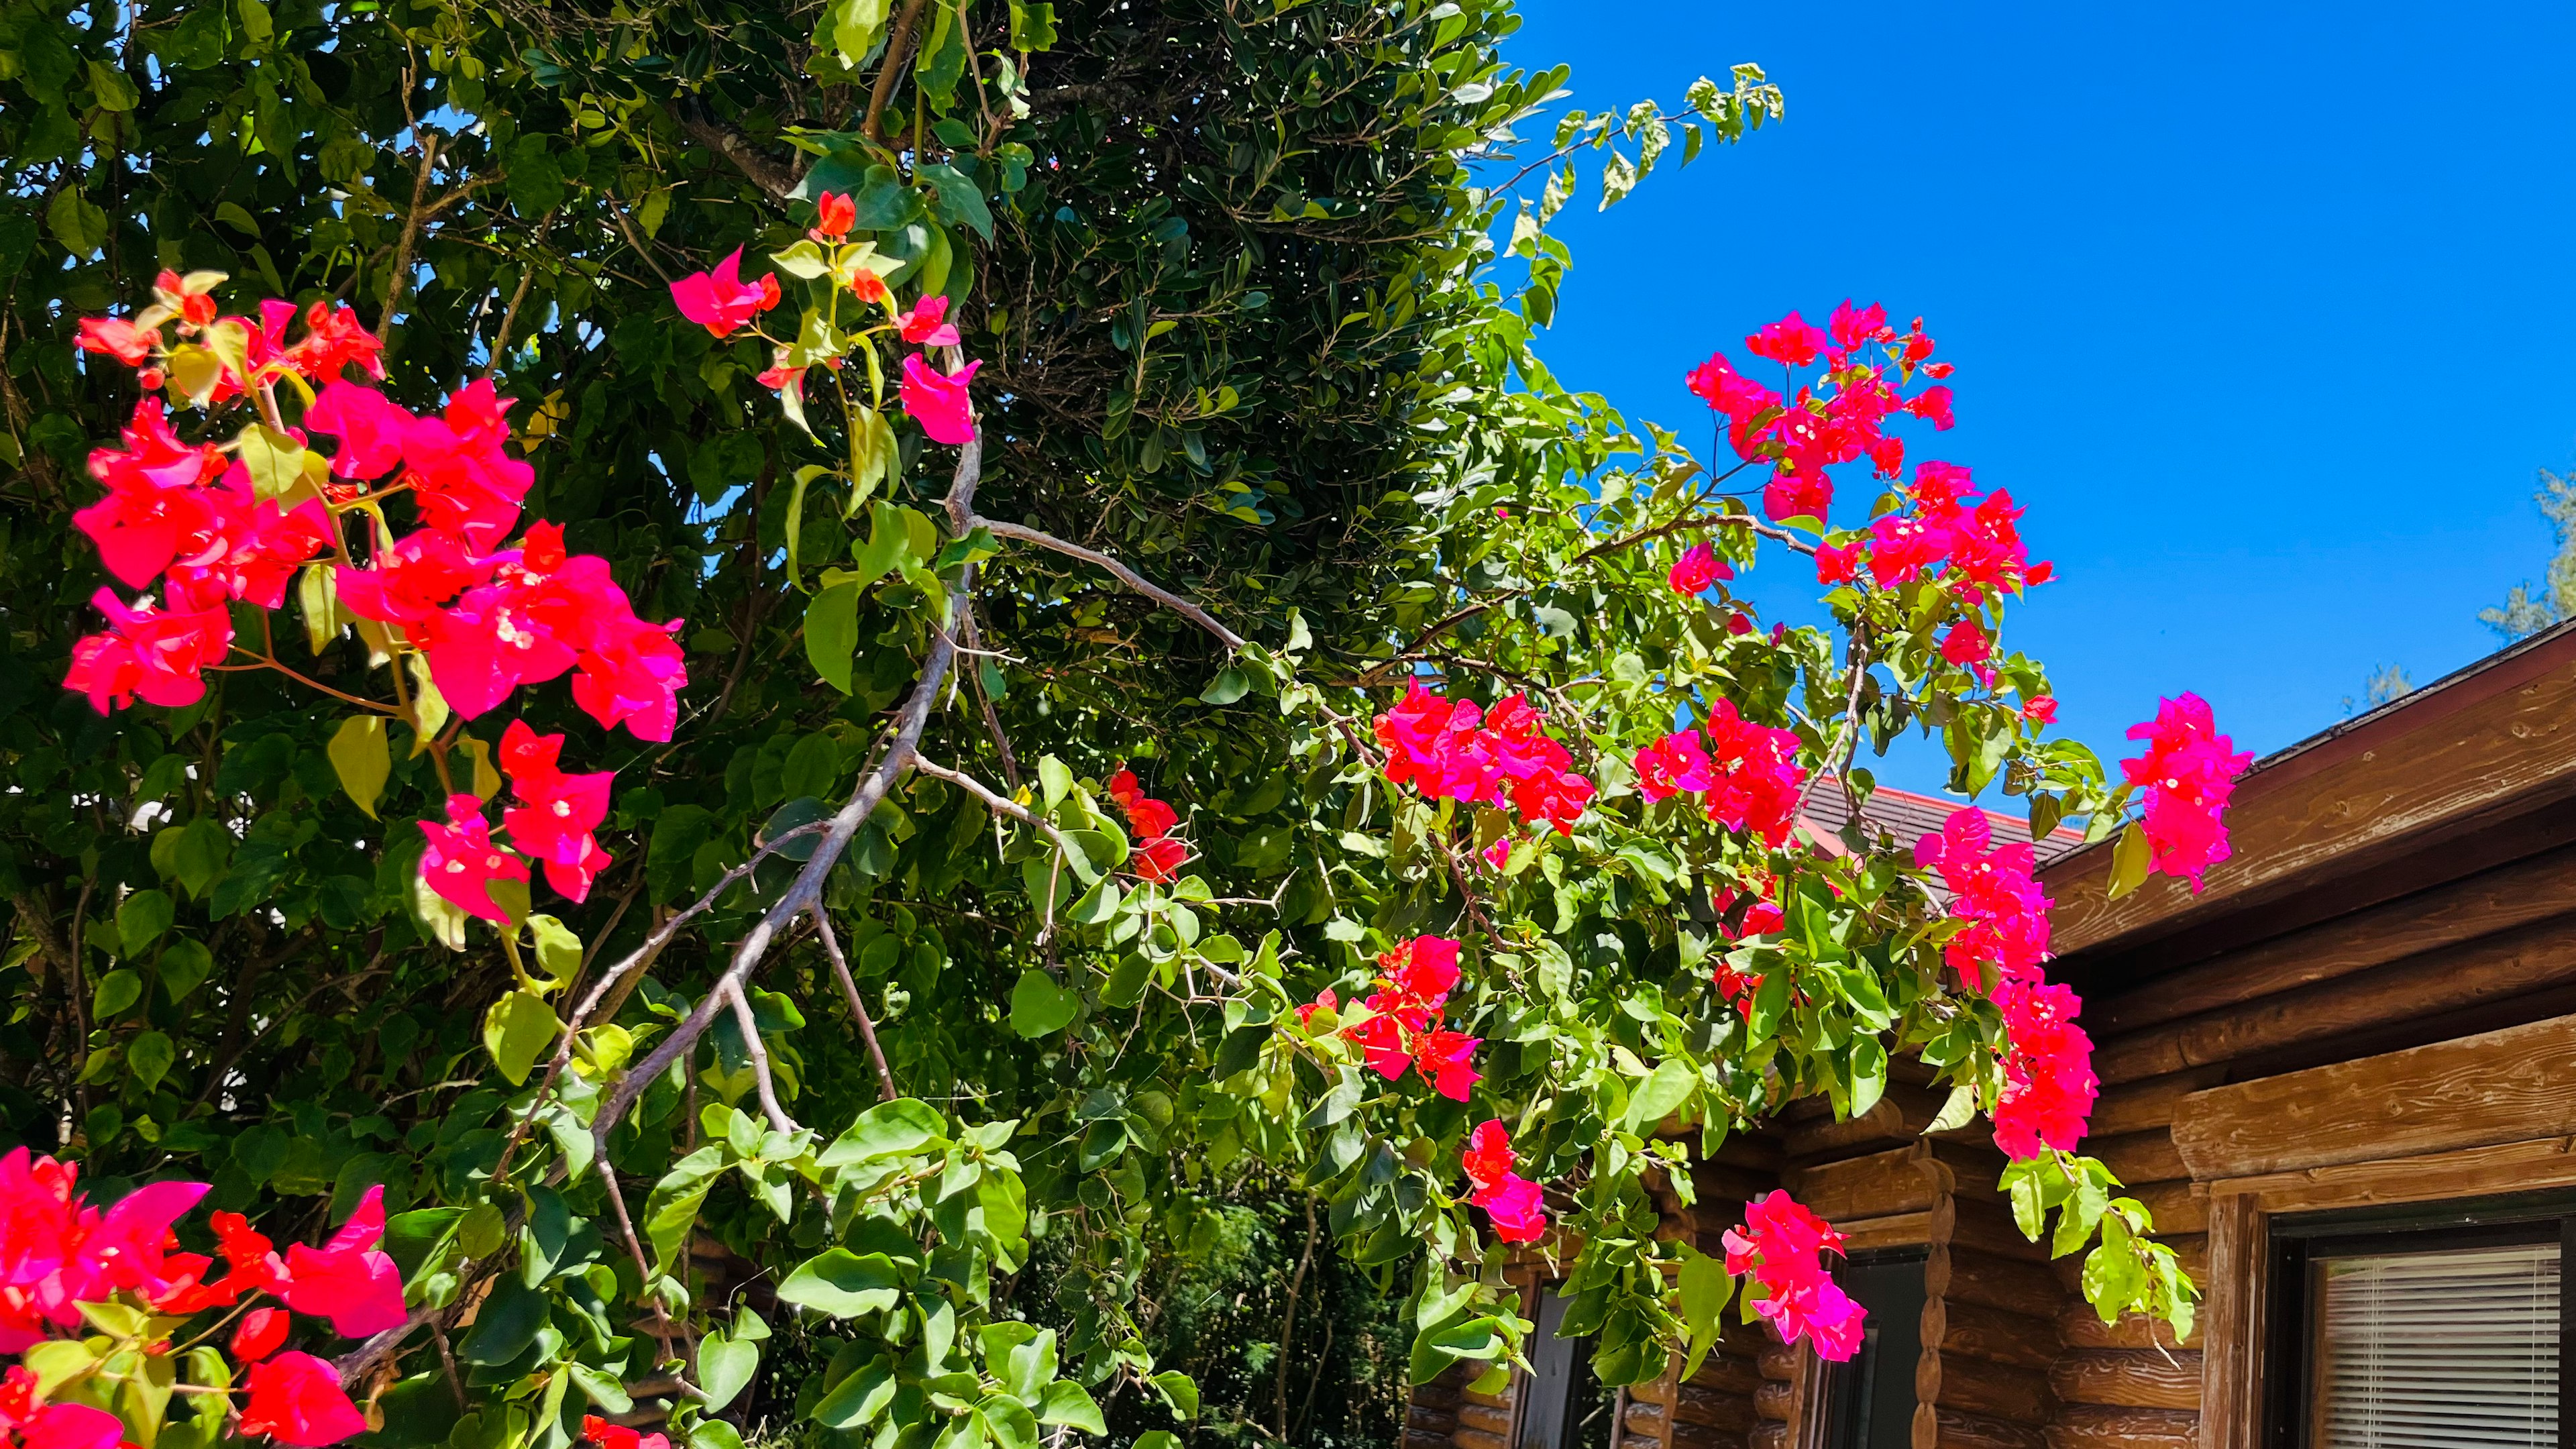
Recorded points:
(2523, 615)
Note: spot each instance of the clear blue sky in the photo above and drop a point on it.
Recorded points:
(2266, 311)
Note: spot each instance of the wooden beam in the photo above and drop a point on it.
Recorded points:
(2506, 732)
(1958, 1429)
(2497, 1087)
(2147, 1156)
(1878, 1185)
(1994, 1390)
(2093, 1426)
(2079, 1326)
(1972, 1330)
(2470, 1172)
(2513, 895)
(2231, 1374)
(2129, 1378)
(2136, 1106)
(2492, 968)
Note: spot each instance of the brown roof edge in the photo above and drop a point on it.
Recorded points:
(2340, 746)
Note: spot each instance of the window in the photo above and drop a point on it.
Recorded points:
(1565, 1406)
(1868, 1403)
(2421, 1328)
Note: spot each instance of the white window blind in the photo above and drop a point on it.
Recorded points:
(2442, 1350)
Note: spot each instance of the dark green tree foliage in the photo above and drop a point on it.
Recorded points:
(1225, 268)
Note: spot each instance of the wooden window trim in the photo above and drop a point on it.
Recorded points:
(2236, 1298)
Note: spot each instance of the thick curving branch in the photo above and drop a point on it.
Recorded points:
(1125, 575)
(805, 893)
(994, 800)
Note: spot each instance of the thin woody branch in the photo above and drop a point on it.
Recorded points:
(1125, 575)
(758, 1051)
(858, 1008)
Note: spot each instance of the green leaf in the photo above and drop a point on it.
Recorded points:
(117, 990)
(855, 27)
(1033, 28)
(832, 633)
(196, 854)
(517, 1030)
(78, 225)
(2129, 861)
(844, 1284)
(183, 965)
(858, 1399)
(671, 1209)
(1705, 1289)
(360, 757)
(1665, 1089)
(888, 1129)
(725, 1367)
(1228, 686)
(602, 1389)
(1068, 1403)
(960, 199)
(141, 919)
(148, 1058)
(1957, 1112)
(1039, 1007)
(1179, 1392)
(506, 1323)
(558, 949)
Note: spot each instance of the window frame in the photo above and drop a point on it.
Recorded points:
(1837, 1390)
(2296, 1241)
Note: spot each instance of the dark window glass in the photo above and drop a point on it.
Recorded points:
(1566, 1407)
(1868, 1403)
(2420, 1328)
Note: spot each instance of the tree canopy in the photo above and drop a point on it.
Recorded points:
(1273, 749)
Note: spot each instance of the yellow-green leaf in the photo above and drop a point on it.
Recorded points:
(2129, 861)
(359, 756)
(429, 710)
(519, 1028)
(274, 461)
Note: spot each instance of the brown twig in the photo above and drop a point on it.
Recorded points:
(758, 1051)
(1125, 575)
(889, 68)
(412, 218)
(858, 1008)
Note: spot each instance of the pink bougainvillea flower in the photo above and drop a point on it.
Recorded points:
(1798, 495)
(1756, 775)
(2042, 709)
(1518, 1209)
(347, 1280)
(71, 1426)
(1792, 340)
(370, 427)
(562, 810)
(1966, 643)
(2187, 775)
(1676, 764)
(118, 338)
(333, 339)
(1452, 750)
(1500, 851)
(632, 673)
(1838, 563)
(719, 301)
(939, 401)
(155, 510)
(1933, 406)
(1698, 567)
(461, 862)
(834, 213)
(2006, 910)
(1781, 1244)
(602, 1434)
(262, 1332)
(467, 482)
(412, 579)
(1158, 856)
(1851, 328)
(149, 653)
(1325, 1001)
(1381, 1043)
(1159, 859)
(250, 550)
(57, 1251)
(1489, 1157)
(1422, 970)
(927, 324)
(2049, 1085)
(1447, 1060)
(296, 1399)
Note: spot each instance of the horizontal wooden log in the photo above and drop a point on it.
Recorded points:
(1899, 1117)
(2496, 900)
(1640, 1441)
(1778, 1362)
(2492, 968)
(1995, 1390)
(1491, 1418)
(1880, 1184)
(1903, 1230)
(1655, 1391)
(1723, 1373)
(2090, 1426)
(1479, 1439)
(2177, 1207)
(1699, 1436)
(1431, 1420)
(1989, 1227)
(2150, 1102)
(2147, 1156)
(2501, 733)
(1775, 1398)
(2470, 1172)
(1955, 1429)
(1732, 1412)
(1752, 1151)
(1971, 1330)
(1645, 1418)
(1769, 1434)
(2496, 1087)
(1425, 1439)
(2080, 1327)
(2015, 1285)
(1968, 1168)
(2129, 1378)
(1723, 1188)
